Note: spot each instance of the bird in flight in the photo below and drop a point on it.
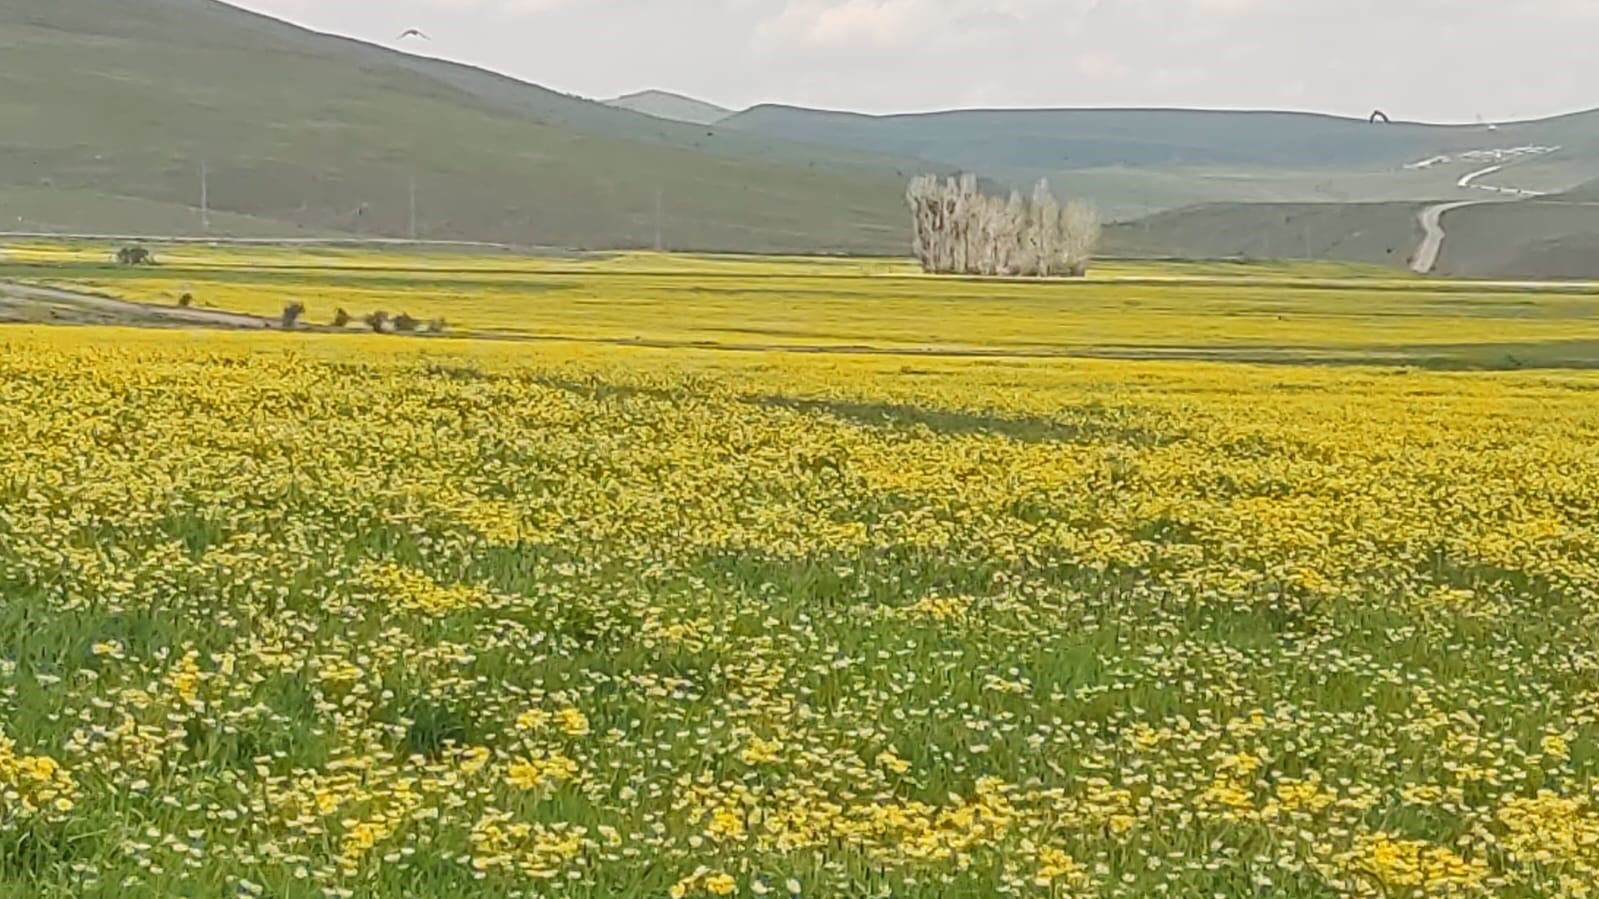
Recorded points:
(413, 33)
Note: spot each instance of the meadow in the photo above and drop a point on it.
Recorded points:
(329, 614)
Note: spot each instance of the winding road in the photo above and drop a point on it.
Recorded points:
(1432, 241)
(1432, 217)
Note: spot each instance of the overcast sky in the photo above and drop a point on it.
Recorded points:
(1439, 60)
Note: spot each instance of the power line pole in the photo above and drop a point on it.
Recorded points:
(205, 196)
(660, 244)
(413, 207)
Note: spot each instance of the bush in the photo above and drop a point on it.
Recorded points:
(135, 256)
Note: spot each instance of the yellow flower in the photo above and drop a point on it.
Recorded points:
(726, 824)
(890, 759)
(720, 884)
(573, 722)
(534, 773)
(532, 719)
(761, 752)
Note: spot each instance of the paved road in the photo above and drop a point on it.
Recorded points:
(1432, 242)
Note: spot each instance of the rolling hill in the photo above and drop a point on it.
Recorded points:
(676, 107)
(1136, 161)
(105, 112)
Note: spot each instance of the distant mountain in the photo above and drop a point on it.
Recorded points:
(1054, 139)
(676, 107)
(109, 116)
(1134, 161)
(1043, 140)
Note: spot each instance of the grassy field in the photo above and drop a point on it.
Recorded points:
(321, 614)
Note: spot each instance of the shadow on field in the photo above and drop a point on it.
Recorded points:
(1096, 424)
(942, 421)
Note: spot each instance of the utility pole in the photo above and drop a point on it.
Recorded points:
(205, 196)
(413, 207)
(660, 244)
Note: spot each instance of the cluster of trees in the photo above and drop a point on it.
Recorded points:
(135, 256)
(960, 230)
(380, 321)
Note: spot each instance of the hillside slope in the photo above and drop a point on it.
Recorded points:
(676, 107)
(1543, 238)
(1374, 233)
(324, 134)
(1587, 192)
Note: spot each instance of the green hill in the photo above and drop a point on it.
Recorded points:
(106, 105)
(1133, 161)
(676, 107)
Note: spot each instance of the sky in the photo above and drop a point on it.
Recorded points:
(1426, 60)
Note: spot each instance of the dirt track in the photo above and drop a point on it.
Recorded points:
(23, 302)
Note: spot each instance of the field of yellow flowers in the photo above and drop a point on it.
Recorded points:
(1258, 312)
(310, 615)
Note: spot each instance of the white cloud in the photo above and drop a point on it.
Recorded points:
(844, 23)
